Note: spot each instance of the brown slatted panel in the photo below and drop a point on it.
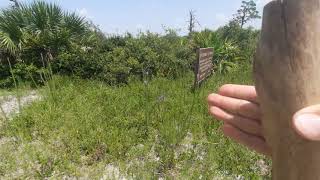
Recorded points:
(204, 64)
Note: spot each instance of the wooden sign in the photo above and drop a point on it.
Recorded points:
(204, 65)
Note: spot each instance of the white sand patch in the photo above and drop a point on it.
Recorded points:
(10, 104)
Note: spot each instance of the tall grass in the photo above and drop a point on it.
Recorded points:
(148, 130)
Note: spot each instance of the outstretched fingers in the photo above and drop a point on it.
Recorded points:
(240, 92)
(235, 106)
(245, 124)
(238, 107)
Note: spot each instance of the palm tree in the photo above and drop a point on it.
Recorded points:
(39, 26)
(11, 24)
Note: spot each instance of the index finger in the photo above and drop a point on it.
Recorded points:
(239, 92)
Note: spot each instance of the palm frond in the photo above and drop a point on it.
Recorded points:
(40, 25)
(7, 44)
(74, 23)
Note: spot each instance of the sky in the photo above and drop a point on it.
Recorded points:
(120, 16)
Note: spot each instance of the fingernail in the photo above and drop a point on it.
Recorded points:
(308, 125)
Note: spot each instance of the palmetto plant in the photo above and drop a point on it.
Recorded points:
(41, 26)
(11, 24)
(226, 53)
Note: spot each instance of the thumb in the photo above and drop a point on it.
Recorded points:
(307, 123)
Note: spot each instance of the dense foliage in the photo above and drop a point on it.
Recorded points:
(41, 38)
(119, 59)
(33, 34)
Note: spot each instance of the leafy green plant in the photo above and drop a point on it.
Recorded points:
(245, 38)
(227, 55)
(31, 31)
(146, 56)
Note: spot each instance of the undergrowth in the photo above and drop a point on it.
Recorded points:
(147, 130)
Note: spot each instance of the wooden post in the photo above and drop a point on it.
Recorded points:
(287, 76)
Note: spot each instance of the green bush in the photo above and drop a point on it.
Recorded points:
(227, 55)
(38, 35)
(144, 57)
(245, 38)
(34, 33)
(4, 74)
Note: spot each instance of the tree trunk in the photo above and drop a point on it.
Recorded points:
(243, 17)
(287, 76)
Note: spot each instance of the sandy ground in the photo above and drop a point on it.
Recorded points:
(10, 104)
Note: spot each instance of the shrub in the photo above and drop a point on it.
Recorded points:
(245, 38)
(227, 55)
(146, 56)
(36, 32)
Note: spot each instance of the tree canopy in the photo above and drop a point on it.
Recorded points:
(247, 12)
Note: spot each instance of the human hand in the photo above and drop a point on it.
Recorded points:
(238, 107)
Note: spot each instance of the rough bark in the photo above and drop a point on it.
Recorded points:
(287, 76)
